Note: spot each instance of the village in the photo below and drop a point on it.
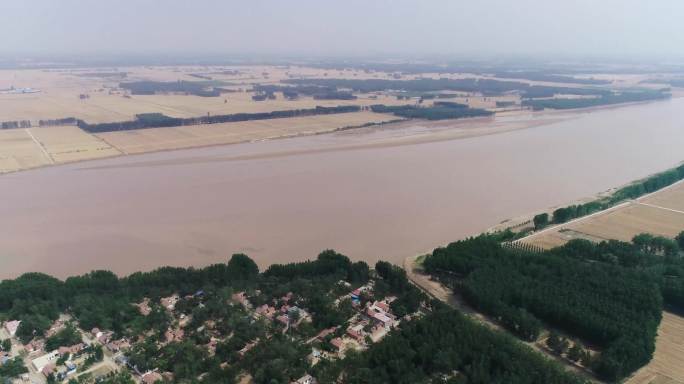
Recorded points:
(98, 354)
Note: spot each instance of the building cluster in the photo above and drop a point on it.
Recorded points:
(371, 319)
(288, 314)
(369, 324)
(64, 362)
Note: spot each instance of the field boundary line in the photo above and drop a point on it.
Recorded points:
(573, 221)
(101, 139)
(659, 207)
(40, 145)
(607, 210)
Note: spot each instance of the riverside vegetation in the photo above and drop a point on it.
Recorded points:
(432, 343)
(609, 294)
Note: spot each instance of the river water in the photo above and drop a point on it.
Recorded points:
(371, 194)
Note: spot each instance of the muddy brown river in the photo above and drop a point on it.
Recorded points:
(382, 193)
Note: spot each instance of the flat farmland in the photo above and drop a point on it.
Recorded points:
(660, 213)
(156, 139)
(666, 366)
(70, 143)
(19, 151)
(60, 93)
(100, 106)
(623, 224)
(241, 102)
(35, 147)
(619, 224)
(671, 198)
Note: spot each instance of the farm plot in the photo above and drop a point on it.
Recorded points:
(98, 100)
(34, 147)
(70, 143)
(623, 224)
(156, 139)
(661, 213)
(666, 366)
(18, 150)
(671, 198)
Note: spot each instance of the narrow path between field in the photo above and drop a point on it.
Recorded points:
(638, 200)
(659, 207)
(40, 145)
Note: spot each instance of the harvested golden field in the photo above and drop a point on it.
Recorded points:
(623, 224)
(58, 93)
(70, 143)
(101, 106)
(155, 139)
(666, 366)
(620, 224)
(660, 213)
(35, 147)
(190, 106)
(556, 238)
(18, 150)
(672, 198)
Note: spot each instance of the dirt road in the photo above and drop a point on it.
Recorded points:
(415, 274)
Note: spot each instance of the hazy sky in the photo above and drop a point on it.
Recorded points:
(345, 27)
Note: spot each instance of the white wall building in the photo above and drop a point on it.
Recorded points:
(40, 362)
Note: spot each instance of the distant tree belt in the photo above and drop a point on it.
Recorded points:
(553, 74)
(449, 104)
(440, 111)
(541, 76)
(484, 86)
(197, 88)
(317, 92)
(15, 124)
(605, 99)
(157, 120)
(676, 82)
(54, 122)
(679, 83)
(612, 306)
(102, 74)
(335, 95)
(632, 191)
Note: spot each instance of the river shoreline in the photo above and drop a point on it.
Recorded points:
(469, 128)
(374, 193)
